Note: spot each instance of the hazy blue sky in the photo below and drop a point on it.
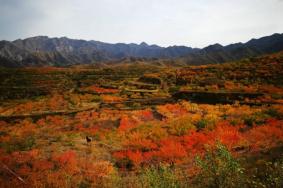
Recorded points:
(195, 23)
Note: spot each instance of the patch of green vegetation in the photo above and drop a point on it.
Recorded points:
(96, 98)
(258, 118)
(180, 127)
(159, 177)
(201, 124)
(267, 174)
(219, 169)
(274, 113)
(249, 121)
(174, 89)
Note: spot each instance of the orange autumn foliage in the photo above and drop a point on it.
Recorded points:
(266, 136)
(138, 141)
(171, 110)
(95, 171)
(171, 151)
(135, 156)
(42, 165)
(195, 142)
(111, 98)
(101, 90)
(67, 161)
(228, 134)
(145, 115)
(126, 123)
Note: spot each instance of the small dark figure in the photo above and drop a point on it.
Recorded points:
(88, 139)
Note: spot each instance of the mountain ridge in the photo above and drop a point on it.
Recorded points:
(63, 51)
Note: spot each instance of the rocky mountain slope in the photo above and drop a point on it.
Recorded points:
(45, 51)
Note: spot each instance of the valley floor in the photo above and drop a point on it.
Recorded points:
(143, 125)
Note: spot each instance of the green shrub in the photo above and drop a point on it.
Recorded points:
(201, 124)
(249, 121)
(234, 122)
(272, 112)
(159, 177)
(267, 174)
(218, 168)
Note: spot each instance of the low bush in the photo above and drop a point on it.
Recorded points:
(218, 168)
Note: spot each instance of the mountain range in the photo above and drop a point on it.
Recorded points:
(45, 51)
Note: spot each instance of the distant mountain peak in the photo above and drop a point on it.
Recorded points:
(213, 47)
(143, 44)
(38, 37)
